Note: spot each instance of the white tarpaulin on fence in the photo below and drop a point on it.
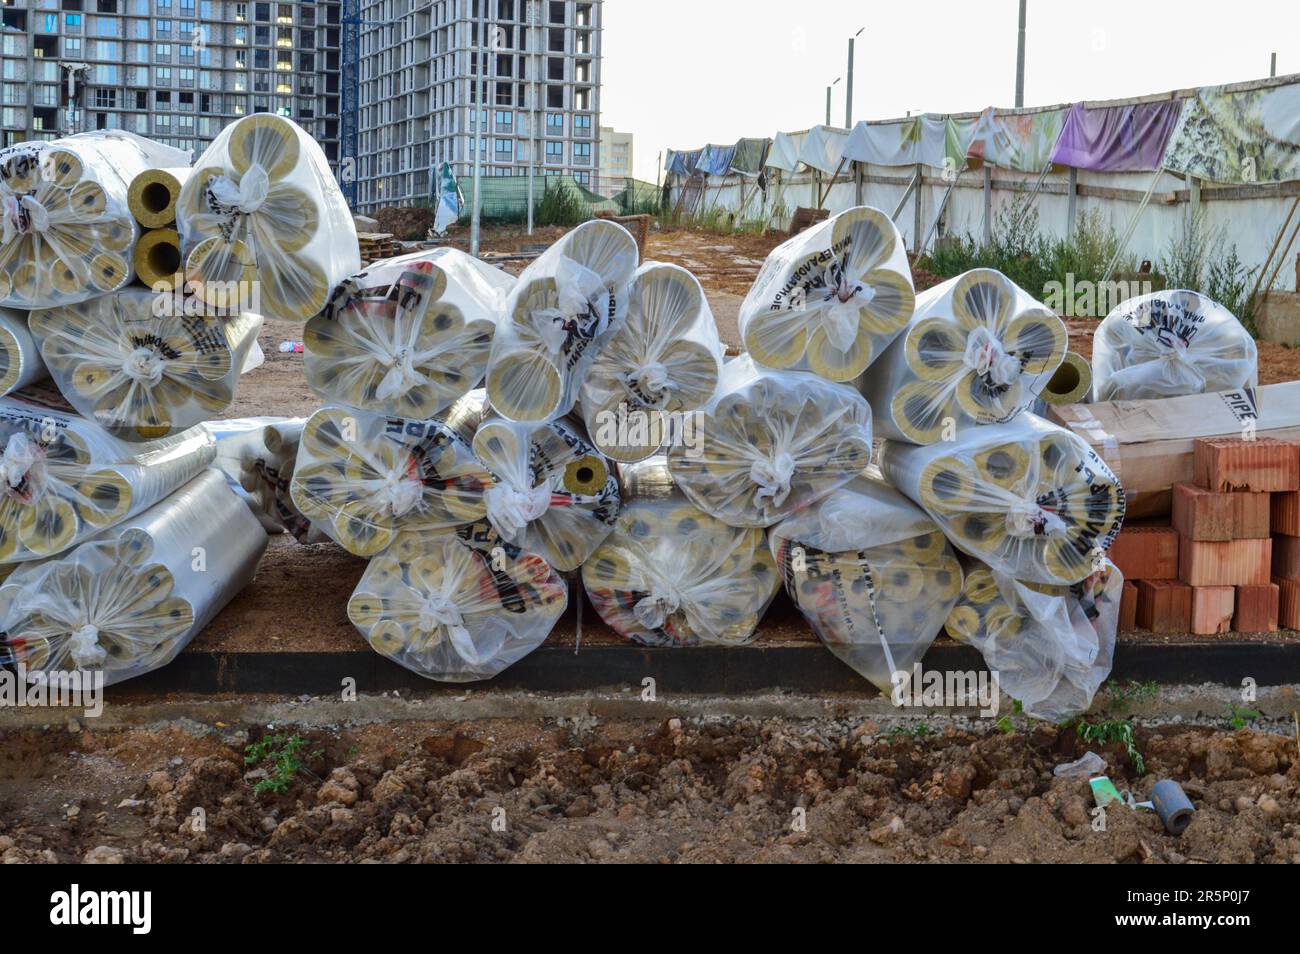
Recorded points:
(904, 142)
(823, 149)
(786, 147)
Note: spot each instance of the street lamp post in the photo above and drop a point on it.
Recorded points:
(848, 93)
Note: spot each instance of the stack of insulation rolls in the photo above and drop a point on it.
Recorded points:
(109, 462)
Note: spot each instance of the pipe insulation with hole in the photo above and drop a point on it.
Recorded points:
(154, 194)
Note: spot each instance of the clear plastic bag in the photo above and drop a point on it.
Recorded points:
(66, 232)
(363, 478)
(20, 355)
(263, 225)
(1050, 646)
(63, 479)
(1030, 499)
(129, 600)
(770, 443)
(552, 492)
(671, 575)
(978, 350)
(406, 335)
(872, 574)
(257, 455)
(1168, 344)
(564, 309)
(664, 360)
(453, 613)
(143, 372)
(830, 299)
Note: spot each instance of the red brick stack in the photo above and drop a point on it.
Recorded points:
(1285, 522)
(1227, 572)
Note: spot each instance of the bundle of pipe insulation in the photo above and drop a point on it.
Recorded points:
(770, 443)
(671, 574)
(661, 364)
(872, 574)
(1050, 645)
(1030, 499)
(449, 611)
(125, 601)
(142, 374)
(978, 350)
(67, 229)
(258, 455)
(1168, 344)
(406, 336)
(263, 224)
(562, 312)
(66, 478)
(364, 478)
(830, 299)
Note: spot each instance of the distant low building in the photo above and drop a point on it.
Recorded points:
(615, 159)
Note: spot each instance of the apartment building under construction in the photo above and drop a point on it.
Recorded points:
(425, 101)
(173, 70)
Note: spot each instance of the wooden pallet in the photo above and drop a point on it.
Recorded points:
(804, 217)
(377, 245)
(638, 225)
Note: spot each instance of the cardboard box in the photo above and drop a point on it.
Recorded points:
(1148, 444)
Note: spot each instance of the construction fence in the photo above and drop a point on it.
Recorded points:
(557, 199)
(1227, 157)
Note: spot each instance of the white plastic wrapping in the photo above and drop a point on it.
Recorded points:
(363, 478)
(977, 350)
(453, 613)
(671, 575)
(142, 371)
(663, 361)
(872, 574)
(63, 479)
(406, 335)
(257, 455)
(20, 355)
(830, 299)
(1171, 343)
(263, 224)
(1030, 499)
(564, 309)
(772, 442)
(1051, 646)
(127, 601)
(66, 232)
(552, 492)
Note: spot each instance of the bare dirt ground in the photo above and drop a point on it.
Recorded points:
(702, 791)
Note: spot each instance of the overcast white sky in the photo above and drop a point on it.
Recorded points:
(680, 73)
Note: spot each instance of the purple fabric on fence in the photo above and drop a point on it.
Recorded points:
(1117, 138)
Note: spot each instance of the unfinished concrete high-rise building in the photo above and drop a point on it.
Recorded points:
(420, 101)
(173, 70)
